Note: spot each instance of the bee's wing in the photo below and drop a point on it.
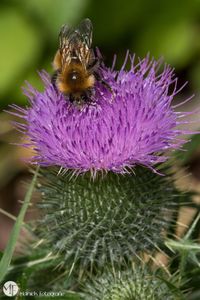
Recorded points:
(76, 41)
(85, 30)
(65, 36)
(68, 41)
(84, 35)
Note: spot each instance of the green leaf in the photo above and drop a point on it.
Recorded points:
(7, 256)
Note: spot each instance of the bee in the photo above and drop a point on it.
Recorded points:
(76, 64)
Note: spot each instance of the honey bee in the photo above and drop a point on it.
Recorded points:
(76, 64)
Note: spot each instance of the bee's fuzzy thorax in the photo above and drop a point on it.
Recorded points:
(83, 82)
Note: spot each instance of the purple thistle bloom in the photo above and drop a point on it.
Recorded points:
(136, 124)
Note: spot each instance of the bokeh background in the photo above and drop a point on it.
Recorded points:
(29, 39)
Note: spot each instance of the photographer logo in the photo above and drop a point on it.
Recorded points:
(10, 288)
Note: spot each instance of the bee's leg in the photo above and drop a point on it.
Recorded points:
(102, 81)
(53, 78)
(96, 62)
(71, 98)
(98, 56)
(105, 84)
(94, 66)
(87, 97)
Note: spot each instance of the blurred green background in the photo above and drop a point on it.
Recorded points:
(29, 40)
(29, 33)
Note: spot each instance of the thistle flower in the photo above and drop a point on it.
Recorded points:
(133, 125)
